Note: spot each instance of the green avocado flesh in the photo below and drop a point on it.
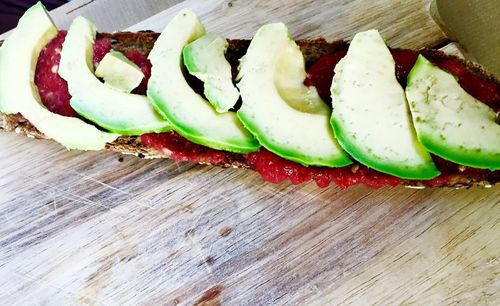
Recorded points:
(190, 114)
(287, 117)
(119, 112)
(370, 115)
(204, 59)
(118, 72)
(19, 94)
(449, 122)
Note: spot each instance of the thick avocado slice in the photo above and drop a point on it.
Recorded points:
(18, 93)
(119, 112)
(204, 59)
(118, 72)
(287, 117)
(190, 114)
(449, 122)
(370, 115)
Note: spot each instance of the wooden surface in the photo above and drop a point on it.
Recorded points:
(94, 228)
(108, 15)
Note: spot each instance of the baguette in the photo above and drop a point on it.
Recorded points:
(312, 51)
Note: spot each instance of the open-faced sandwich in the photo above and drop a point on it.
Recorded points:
(343, 113)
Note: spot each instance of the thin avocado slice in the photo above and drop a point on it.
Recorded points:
(370, 115)
(449, 122)
(287, 117)
(190, 114)
(204, 59)
(118, 72)
(119, 112)
(18, 93)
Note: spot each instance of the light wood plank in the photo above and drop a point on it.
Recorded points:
(108, 15)
(403, 23)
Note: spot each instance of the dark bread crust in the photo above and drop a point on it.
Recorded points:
(312, 50)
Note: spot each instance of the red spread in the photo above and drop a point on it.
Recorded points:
(101, 48)
(275, 169)
(54, 94)
(180, 149)
(320, 74)
(52, 88)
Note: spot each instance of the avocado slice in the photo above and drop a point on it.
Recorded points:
(19, 94)
(370, 115)
(204, 59)
(190, 114)
(449, 122)
(118, 72)
(119, 112)
(287, 117)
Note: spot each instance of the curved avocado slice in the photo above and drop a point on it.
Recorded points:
(119, 112)
(449, 122)
(204, 59)
(19, 94)
(118, 72)
(370, 115)
(287, 117)
(190, 114)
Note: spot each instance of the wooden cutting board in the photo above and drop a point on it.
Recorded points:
(96, 228)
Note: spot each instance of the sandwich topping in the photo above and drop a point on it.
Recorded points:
(55, 96)
(52, 88)
(19, 94)
(108, 107)
(272, 168)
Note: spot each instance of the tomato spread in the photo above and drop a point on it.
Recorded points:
(52, 88)
(180, 149)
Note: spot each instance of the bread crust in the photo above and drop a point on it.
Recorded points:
(312, 49)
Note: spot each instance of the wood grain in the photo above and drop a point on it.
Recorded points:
(108, 15)
(96, 228)
(402, 23)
